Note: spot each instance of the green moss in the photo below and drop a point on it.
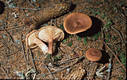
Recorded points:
(96, 36)
(69, 44)
(58, 57)
(65, 40)
(48, 56)
(85, 40)
(119, 49)
(61, 26)
(114, 38)
(70, 36)
(95, 11)
(107, 36)
(103, 15)
(120, 78)
(79, 38)
(123, 58)
(106, 40)
(108, 23)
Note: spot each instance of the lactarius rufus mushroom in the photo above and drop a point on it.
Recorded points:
(50, 34)
(93, 54)
(77, 22)
(32, 41)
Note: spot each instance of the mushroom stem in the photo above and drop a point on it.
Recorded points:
(50, 46)
(42, 45)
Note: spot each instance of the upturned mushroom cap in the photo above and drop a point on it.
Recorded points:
(77, 22)
(32, 41)
(50, 34)
(93, 54)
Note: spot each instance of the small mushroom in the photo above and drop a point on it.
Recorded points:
(76, 23)
(50, 34)
(32, 41)
(93, 54)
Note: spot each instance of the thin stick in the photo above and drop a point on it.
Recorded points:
(67, 66)
(52, 76)
(115, 57)
(5, 23)
(10, 28)
(67, 61)
(92, 74)
(28, 8)
(23, 48)
(32, 59)
(9, 35)
(5, 72)
(119, 33)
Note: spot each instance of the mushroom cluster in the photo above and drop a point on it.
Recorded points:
(47, 34)
(74, 23)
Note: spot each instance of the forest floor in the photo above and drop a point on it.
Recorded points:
(108, 33)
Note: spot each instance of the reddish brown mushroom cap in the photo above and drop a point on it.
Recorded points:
(77, 22)
(93, 54)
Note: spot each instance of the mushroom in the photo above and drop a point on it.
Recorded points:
(32, 41)
(76, 23)
(93, 54)
(50, 34)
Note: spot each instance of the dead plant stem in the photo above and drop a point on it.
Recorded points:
(3, 69)
(33, 62)
(23, 48)
(119, 33)
(52, 76)
(77, 60)
(115, 57)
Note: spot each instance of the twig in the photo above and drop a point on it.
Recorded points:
(28, 8)
(32, 59)
(67, 61)
(67, 66)
(5, 72)
(52, 76)
(119, 33)
(9, 35)
(23, 48)
(4, 24)
(115, 57)
(32, 4)
(116, 67)
(10, 28)
(93, 71)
